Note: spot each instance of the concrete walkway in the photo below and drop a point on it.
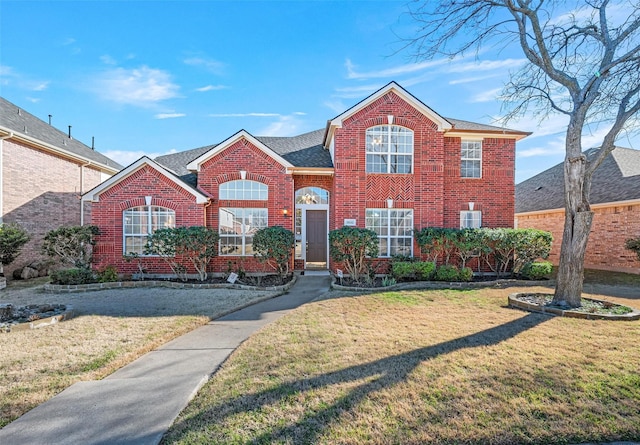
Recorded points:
(138, 403)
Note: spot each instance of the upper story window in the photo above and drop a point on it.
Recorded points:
(140, 222)
(244, 189)
(471, 159)
(389, 149)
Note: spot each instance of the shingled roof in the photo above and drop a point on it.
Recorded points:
(617, 179)
(14, 119)
(304, 150)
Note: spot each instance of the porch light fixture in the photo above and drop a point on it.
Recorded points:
(285, 212)
(390, 203)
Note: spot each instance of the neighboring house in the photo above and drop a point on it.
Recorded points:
(43, 173)
(389, 163)
(615, 201)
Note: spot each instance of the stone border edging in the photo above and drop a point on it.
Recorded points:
(519, 304)
(68, 314)
(442, 285)
(71, 288)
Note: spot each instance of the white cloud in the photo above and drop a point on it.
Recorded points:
(473, 79)
(169, 115)
(337, 106)
(485, 65)
(356, 92)
(108, 60)
(391, 72)
(8, 76)
(140, 86)
(211, 65)
(487, 96)
(285, 126)
(212, 88)
(246, 115)
(125, 157)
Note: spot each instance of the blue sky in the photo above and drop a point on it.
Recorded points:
(155, 77)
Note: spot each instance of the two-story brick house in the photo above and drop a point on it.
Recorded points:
(389, 163)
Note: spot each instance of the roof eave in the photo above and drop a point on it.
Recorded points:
(318, 171)
(517, 135)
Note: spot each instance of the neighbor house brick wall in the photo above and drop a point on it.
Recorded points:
(107, 214)
(41, 192)
(612, 226)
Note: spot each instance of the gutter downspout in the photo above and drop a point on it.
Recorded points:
(82, 166)
(2, 138)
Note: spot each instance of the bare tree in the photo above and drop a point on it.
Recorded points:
(583, 61)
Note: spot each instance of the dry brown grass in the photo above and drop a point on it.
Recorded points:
(419, 367)
(113, 328)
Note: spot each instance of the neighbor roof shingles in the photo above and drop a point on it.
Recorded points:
(617, 179)
(25, 123)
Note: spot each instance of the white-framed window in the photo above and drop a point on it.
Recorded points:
(471, 159)
(244, 189)
(140, 222)
(394, 228)
(389, 149)
(237, 227)
(470, 219)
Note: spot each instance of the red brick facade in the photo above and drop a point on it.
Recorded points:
(612, 225)
(41, 192)
(434, 189)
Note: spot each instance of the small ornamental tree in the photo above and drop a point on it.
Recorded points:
(634, 245)
(436, 242)
(199, 245)
(351, 246)
(12, 239)
(166, 243)
(468, 244)
(530, 245)
(274, 246)
(72, 245)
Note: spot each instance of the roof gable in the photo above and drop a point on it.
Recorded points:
(442, 123)
(196, 164)
(94, 194)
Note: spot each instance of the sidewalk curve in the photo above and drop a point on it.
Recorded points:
(139, 402)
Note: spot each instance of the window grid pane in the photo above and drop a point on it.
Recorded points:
(394, 228)
(470, 219)
(243, 190)
(139, 222)
(237, 227)
(389, 149)
(471, 159)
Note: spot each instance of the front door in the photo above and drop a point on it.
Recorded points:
(316, 236)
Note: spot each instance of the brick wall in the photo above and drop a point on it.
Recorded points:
(612, 226)
(41, 193)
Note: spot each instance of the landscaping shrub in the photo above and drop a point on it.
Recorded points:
(12, 239)
(530, 245)
(424, 270)
(402, 270)
(536, 270)
(72, 245)
(199, 245)
(108, 274)
(634, 245)
(447, 272)
(353, 246)
(465, 274)
(274, 246)
(76, 275)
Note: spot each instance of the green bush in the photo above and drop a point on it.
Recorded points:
(465, 274)
(353, 247)
(72, 245)
(76, 275)
(424, 270)
(634, 245)
(274, 246)
(537, 270)
(12, 239)
(447, 272)
(402, 270)
(108, 274)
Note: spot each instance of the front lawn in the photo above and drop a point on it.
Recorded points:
(420, 367)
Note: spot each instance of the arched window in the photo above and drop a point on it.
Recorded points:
(389, 149)
(140, 222)
(244, 189)
(312, 195)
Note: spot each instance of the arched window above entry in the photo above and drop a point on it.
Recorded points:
(312, 195)
(244, 190)
(389, 149)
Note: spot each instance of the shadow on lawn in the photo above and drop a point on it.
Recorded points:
(382, 374)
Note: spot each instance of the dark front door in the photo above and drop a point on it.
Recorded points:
(316, 236)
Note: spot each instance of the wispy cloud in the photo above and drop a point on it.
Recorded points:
(352, 73)
(485, 65)
(169, 115)
(211, 65)
(289, 125)
(142, 86)
(357, 91)
(9, 76)
(246, 115)
(108, 60)
(474, 79)
(487, 96)
(212, 88)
